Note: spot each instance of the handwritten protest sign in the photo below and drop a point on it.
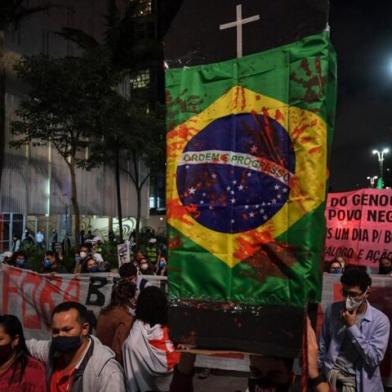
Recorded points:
(123, 253)
(359, 226)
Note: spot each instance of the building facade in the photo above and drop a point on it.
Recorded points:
(35, 185)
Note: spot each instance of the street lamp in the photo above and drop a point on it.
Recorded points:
(372, 180)
(380, 156)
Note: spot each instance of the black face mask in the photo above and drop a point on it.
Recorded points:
(6, 352)
(264, 383)
(66, 344)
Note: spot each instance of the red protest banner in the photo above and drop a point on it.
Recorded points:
(359, 226)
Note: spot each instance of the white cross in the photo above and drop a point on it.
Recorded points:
(238, 24)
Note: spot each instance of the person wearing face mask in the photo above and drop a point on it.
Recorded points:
(385, 266)
(335, 267)
(18, 370)
(115, 321)
(75, 360)
(354, 337)
(80, 259)
(51, 264)
(19, 260)
(161, 267)
(145, 267)
(90, 266)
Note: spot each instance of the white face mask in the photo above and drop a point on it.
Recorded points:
(354, 303)
(143, 266)
(83, 254)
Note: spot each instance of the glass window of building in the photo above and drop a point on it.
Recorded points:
(142, 7)
(140, 80)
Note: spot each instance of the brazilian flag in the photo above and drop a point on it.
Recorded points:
(247, 149)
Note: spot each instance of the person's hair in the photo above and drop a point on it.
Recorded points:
(16, 255)
(85, 245)
(356, 277)
(85, 264)
(13, 327)
(151, 306)
(83, 314)
(54, 254)
(122, 294)
(127, 270)
(336, 261)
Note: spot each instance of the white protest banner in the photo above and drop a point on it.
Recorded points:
(31, 297)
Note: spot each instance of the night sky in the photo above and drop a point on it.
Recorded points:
(361, 32)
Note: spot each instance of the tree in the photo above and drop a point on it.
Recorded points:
(64, 107)
(145, 147)
(12, 12)
(133, 141)
(123, 138)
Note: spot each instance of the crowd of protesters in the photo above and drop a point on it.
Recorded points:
(128, 346)
(150, 259)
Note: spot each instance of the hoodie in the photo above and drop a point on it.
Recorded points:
(98, 371)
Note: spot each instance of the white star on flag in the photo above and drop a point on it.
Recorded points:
(192, 190)
(276, 187)
(241, 187)
(251, 214)
(253, 149)
(232, 200)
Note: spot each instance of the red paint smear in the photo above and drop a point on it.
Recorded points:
(173, 147)
(272, 259)
(295, 192)
(175, 243)
(269, 137)
(250, 244)
(315, 150)
(240, 95)
(317, 64)
(258, 97)
(306, 139)
(182, 131)
(298, 131)
(305, 67)
(279, 115)
(175, 210)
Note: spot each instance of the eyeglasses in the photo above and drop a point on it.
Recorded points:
(352, 294)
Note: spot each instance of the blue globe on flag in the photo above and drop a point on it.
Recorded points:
(235, 173)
